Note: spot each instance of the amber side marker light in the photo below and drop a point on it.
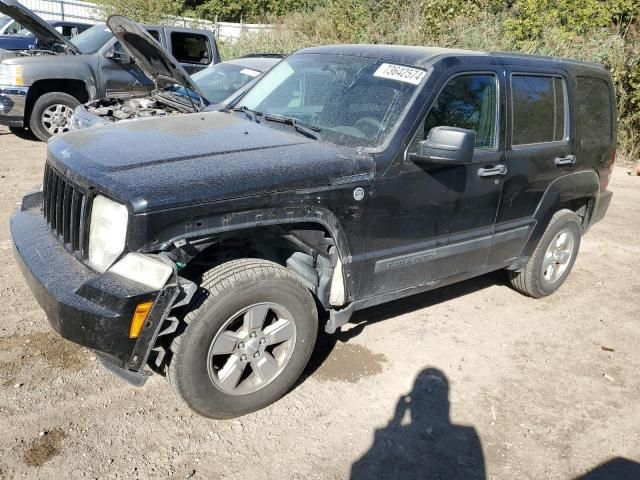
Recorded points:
(139, 316)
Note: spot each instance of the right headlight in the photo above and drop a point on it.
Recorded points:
(11, 75)
(107, 232)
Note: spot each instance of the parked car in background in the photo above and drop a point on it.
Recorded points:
(216, 86)
(8, 26)
(347, 176)
(26, 40)
(39, 89)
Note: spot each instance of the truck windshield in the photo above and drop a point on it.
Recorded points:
(350, 101)
(92, 40)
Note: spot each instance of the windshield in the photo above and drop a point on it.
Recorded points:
(92, 40)
(352, 101)
(223, 80)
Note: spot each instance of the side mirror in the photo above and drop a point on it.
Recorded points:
(446, 145)
(118, 56)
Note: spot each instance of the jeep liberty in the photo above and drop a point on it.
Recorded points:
(207, 246)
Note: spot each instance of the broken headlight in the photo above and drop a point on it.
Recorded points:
(107, 232)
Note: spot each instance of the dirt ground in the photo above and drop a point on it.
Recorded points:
(473, 379)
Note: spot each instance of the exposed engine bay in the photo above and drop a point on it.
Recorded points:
(36, 53)
(155, 105)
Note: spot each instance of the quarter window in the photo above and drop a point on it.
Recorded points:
(539, 114)
(470, 102)
(594, 111)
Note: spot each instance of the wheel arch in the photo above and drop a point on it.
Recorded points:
(577, 192)
(313, 237)
(74, 87)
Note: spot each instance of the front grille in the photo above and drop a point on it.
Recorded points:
(65, 208)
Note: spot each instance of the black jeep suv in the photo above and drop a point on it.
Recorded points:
(204, 245)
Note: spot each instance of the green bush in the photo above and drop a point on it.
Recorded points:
(601, 31)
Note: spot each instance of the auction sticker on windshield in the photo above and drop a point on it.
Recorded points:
(401, 73)
(251, 73)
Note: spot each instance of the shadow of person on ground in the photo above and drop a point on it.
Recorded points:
(420, 442)
(615, 469)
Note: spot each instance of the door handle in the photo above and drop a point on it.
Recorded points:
(490, 172)
(564, 161)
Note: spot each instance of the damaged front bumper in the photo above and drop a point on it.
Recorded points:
(13, 102)
(89, 308)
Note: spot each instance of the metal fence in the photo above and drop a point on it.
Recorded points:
(86, 12)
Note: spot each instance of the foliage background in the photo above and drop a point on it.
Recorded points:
(602, 31)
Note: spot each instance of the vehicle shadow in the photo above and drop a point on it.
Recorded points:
(363, 318)
(22, 133)
(420, 442)
(615, 469)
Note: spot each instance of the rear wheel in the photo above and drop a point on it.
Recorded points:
(553, 258)
(246, 340)
(51, 114)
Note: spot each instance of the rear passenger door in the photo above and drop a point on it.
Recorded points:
(539, 147)
(192, 49)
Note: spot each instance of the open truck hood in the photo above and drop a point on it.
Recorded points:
(156, 63)
(45, 33)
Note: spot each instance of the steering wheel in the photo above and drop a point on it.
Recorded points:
(369, 126)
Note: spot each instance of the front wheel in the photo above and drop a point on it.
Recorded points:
(51, 114)
(553, 258)
(246, 340)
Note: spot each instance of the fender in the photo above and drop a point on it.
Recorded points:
(72, 67)
(202, 225)
(562, 191)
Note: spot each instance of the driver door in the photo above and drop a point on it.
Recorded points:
(120, 78)
(433, 221)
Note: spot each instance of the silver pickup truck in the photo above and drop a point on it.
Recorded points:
(39, 90)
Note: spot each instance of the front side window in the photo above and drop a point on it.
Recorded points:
(352, 101)
(469, 102)
(539, 111)
(190, 48)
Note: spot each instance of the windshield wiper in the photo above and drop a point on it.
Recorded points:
(251, 114)
(306, 129)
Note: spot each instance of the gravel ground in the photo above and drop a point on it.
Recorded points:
(471, 381)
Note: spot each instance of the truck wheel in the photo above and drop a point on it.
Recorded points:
(51, 114)
(552, 259)
(247, 338)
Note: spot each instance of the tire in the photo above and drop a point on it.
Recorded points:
(226, 291)
(41, 112)
(538, 278)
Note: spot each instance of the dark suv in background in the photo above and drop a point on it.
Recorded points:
(207, 246)
(40, 88)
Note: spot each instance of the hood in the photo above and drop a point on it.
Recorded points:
(160, 163)
(47, 35)
(156, 63)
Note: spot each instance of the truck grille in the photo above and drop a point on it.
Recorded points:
(65, 209)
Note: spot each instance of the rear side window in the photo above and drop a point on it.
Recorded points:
(469, 102)
(190, 47)
(539, 109)
(155, 34)
(594, 110)
(68, 31)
